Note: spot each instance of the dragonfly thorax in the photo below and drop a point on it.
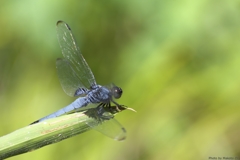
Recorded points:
(104, 94)
(100, 94)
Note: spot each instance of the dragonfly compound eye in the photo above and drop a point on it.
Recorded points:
(117, 92)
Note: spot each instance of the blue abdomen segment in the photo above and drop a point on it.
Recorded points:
(73, 107)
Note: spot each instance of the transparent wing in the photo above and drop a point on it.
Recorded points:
(111, 128)
(67, 77)
(106, 124)
(77, 63)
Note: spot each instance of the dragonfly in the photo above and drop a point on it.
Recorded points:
(77, 80)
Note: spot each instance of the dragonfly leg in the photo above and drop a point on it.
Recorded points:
(117, 105)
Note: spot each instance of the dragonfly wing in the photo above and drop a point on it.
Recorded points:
(72, 54)
(113, 129)
(68, 77)
(109, 127)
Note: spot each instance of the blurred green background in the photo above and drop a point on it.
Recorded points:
(178, 63)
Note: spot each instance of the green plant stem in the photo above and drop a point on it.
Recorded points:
(41, 134)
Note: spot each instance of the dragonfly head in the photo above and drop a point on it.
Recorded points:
(116, 91)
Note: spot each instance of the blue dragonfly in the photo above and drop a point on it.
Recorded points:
(77, 79)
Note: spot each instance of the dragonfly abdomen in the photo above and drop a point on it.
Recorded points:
(73, 107)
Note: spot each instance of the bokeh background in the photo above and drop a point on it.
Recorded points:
(178, 63)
